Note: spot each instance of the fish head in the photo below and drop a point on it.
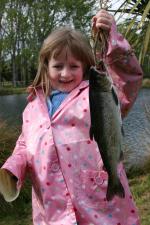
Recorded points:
(98, 80)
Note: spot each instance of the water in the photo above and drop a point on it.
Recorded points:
(137, 132)
(11, 108)
(136, 125)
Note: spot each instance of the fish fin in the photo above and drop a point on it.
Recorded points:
(115, 96)
(115, 189)
(91, 133)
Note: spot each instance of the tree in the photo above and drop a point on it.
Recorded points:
(25, 24)
(2, 10)
(138, 25)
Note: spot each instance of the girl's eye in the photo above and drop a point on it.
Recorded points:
(58, 66)
(74, 66)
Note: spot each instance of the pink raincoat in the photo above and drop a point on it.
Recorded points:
(69, 184)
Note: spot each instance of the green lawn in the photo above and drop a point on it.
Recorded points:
(19, 212)
(11, 90)
(140, 187)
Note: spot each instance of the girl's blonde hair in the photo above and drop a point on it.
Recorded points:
(61, 38)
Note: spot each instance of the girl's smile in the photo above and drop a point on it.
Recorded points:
(65, 71)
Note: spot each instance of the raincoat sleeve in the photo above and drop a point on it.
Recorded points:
(12, 173)
(124, 69)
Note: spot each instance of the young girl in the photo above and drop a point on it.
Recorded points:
(69, 183)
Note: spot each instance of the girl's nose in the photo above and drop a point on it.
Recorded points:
(65, 72)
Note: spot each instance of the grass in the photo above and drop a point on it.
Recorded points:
(16, 213)
(18, 221)
(140, 187)
(146, 83)
(10, 90)
(19, 211)
(139, 182)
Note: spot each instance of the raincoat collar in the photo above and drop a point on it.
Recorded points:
(39, 94)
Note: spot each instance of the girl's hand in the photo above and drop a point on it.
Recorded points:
(102, 20)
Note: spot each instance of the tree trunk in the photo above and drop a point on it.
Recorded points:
(14, 69)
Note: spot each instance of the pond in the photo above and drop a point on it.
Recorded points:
(12, 106)
(136, 125)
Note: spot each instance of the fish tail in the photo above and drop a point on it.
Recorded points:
(115, 189)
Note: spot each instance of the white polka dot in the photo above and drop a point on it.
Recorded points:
(58, 211)
(53, 197)
(117, 210)
(71, 181)
(81, 202)
(75, 157)
(114, 42)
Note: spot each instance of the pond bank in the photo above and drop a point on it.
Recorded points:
(22, 90)
(11, 90)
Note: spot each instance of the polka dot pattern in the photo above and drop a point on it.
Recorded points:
(68, 167)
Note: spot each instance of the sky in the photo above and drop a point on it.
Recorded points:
(115, 5)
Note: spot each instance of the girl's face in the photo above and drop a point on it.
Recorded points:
(65, 72)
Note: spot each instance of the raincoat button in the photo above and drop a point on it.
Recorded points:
(55, 167)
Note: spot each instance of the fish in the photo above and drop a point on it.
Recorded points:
(106, 127)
